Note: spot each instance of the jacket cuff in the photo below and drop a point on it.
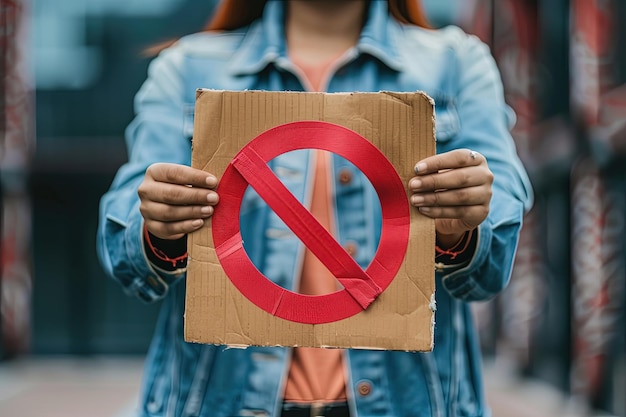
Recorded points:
(459, 280)
(151, 283)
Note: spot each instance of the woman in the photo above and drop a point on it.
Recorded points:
(477, 198)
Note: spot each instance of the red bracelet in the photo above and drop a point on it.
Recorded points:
(159, 253)
(467, 238)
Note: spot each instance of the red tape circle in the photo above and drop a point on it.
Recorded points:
(249, 167)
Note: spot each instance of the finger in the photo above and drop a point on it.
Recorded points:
(462, 197)
(173, 230)
(449, 160)
(452, 179)
(169, 213)
(182, 175)
(175, 194)
(471, 216)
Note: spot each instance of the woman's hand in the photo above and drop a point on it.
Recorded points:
(454, 188)
(175, 199)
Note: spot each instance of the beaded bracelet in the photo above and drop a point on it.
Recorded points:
(465, 241)
(162, 255)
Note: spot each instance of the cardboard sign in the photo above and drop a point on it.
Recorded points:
(389, 305)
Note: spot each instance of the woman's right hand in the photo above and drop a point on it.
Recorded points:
(175, 199)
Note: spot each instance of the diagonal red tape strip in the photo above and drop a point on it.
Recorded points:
(354, 279)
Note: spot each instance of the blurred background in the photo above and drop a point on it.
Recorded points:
(554, 341)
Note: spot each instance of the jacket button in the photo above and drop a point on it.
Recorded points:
(364, 388)
(351, 248)
(345, 176)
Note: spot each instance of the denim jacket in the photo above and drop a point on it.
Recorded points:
(183, 379)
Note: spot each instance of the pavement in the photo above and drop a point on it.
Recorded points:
(69, 387)
(107, 387)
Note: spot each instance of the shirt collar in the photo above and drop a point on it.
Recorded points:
(264, 41)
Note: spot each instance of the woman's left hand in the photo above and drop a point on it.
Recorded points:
(454, 188)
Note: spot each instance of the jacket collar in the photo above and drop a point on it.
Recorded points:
(264, 42)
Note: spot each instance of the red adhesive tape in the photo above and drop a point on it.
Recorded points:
(249, 167)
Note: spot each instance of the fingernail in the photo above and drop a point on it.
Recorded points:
(197, 223)
(420, 167)
(415, 183)
(212, 198)
(417, 199)
(424, 209)
(206, 210)
(211, 180)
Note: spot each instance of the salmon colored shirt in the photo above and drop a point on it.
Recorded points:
(315, 374)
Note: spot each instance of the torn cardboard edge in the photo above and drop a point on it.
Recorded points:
(401, 126)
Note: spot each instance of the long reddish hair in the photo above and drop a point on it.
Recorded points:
(233, 14)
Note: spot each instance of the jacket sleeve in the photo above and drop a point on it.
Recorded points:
(484, 120)
(155, 135)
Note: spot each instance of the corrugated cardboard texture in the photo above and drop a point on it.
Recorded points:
(401, 125)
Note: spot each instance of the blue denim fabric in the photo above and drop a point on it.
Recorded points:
(183, 379)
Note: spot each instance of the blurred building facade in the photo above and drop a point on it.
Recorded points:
(562, 319)
(16, 153)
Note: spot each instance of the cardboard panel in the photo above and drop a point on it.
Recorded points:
(401, 126)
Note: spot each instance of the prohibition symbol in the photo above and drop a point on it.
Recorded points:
(360, 287)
